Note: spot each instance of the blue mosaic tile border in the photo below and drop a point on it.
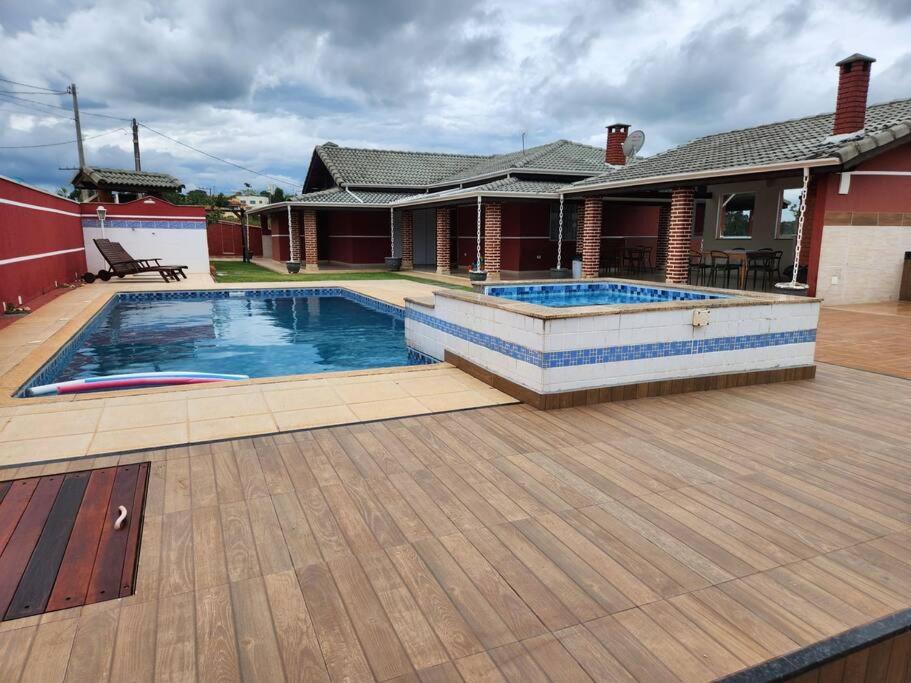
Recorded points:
(65, 353)
(613, 354)
(143, 224)
(649, 293)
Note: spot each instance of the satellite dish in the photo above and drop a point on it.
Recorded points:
(633, 143)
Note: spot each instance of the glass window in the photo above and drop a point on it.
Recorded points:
(570, 221)
(736, 216)
(790, 212)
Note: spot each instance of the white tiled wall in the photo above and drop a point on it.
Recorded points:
(615, 330)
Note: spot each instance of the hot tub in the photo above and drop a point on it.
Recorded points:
(573, 342)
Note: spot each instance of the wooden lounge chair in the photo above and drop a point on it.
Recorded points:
(122, 263)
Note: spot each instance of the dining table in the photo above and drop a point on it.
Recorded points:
(740, 256)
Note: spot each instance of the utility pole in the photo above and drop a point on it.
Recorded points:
(72, 91)
(136, 146)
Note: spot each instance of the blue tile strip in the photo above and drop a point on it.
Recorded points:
(595, 293)
(612, 354)
(63, 356)
(145, 224)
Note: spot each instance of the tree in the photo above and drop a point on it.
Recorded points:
(278, 195)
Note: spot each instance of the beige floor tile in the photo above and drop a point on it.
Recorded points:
(45, 448)
(234, 405)
(374, 391)
(426, 386)
(143, 437)
(56, 424)
(133, 416)
(314, 417)
(229, 428)
(461, 400)
(381, 410)
(298, 399)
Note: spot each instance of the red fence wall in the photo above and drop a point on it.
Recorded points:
(225, 239)
(40, 241)
(355, 237)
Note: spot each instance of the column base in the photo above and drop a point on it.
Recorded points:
(444, 271)
(311, 267)
(407, 265)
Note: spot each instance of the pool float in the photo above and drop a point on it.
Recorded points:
(131, 381)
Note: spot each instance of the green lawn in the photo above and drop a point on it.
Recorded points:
(237, 271)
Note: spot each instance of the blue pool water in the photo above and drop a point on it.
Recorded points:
(594, 294)
(252, 333)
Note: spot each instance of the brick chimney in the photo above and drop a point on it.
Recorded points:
(616, 134)
(851, 104)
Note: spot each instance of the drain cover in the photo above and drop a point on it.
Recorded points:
(59, 546)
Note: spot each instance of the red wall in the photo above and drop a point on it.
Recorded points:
(145, 206)
(26, 231)
(225, 239)
(356, 237)
(876, 193)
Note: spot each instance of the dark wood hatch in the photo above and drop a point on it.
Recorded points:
(70, 539)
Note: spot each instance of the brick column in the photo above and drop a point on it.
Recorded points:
(294, 237)
(443, 242)
(493, 226)
(311, 257)
(677, 264)
(664, 221)
(407, 240)
(591, 237)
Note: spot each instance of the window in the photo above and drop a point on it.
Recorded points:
(789, 213)
(736, 215)
(570, 221)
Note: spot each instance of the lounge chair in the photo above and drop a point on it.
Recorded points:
(122, 263)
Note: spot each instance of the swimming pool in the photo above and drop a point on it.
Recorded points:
(594, 294)
(260, 333)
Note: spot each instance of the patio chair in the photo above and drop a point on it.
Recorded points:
(721, 263)
(698, 268)
(122, 264)
(637, 260)
(761, 264)
(611, 260)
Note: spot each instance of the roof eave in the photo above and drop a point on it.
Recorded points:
(468, 194)
(702, 175)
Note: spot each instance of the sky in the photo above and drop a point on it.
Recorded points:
(261, 83)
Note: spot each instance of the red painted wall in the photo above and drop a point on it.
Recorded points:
(876, 193)
(355, 237)
(225, 239)
(146, 206)
(281, 244)
(28, 231)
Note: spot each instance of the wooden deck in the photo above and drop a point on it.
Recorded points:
(663, 539)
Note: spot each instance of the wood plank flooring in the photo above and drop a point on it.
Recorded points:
(677, 538)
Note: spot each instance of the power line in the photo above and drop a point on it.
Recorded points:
(224, 161)
(68, 142)
(26, 85)
(29, 92)
(34, 110)
(54, 106)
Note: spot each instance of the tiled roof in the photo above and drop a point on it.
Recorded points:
(338, 195)
(115, 177)
(499, 187)
(562, 155)
(390, 168)
(795, 140)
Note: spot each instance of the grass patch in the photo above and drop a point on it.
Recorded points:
(238, 271)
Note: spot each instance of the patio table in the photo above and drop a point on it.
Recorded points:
(739, 256)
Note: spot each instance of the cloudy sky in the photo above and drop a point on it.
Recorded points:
(260, 83)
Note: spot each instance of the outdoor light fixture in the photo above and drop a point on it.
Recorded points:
(102, 212)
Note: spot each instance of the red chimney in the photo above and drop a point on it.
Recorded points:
(616, 134)
(851, 104)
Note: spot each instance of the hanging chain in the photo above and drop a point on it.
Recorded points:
(478, 259)
(391, 231)
(800, 220)
(560, 236)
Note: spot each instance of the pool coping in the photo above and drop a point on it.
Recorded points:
(20, 375)
(733, 297)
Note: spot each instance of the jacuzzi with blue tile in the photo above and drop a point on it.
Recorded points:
(557, 337)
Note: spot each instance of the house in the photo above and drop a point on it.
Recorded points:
(116, 185)
(735, 189)
(249, 201)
